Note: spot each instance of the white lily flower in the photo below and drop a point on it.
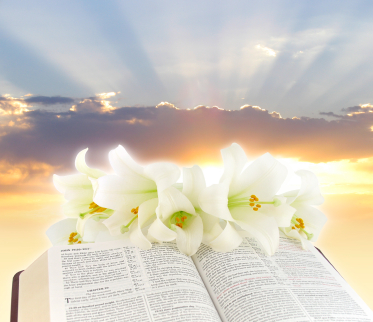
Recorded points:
(78, 190)
(177, 219)
(219, 239)
(64, 232)
(307, 221)
(131, 186)
(247, 198)
(146, 215)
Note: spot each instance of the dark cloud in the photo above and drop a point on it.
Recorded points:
(331, 114)
(183, 136)
(49, 100)
(358, 108)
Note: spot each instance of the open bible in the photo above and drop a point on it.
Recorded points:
(115, 281)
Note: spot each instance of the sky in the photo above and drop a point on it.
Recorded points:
(179, 81)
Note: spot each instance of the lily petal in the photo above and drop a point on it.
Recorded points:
(120, 217)
(147, 211)
(78, 182)
(137, 237)
(309, 193)
(160, 232)
(123, 164)
(313, 218)
(81, 223)
(260, 226)
(194, 183)
(104, 236)
(262, 178)
(82, 167)
(208, 220)
(59, 232)
(210, 234)
(227, 240)
(114, 191)
(172, 200)
(234, 159)
(91, 230)
(164, 174)
(189, 239)
(295, 234)
(145, 214)
(282, 214)
(214, 201)
(73, 208)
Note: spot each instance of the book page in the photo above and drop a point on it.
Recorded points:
(115, 281)
(293, 285)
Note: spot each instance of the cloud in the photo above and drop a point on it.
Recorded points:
(92, 106)
(46, 100)
(183, 136)
(331, 114)
(361, 108)
(10, 105)
(267, 51)
(106, 95)
(26, 176)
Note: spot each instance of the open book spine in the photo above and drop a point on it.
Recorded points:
(15, 297)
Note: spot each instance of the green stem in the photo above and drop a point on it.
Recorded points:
(124, 228)
(309, 236)
(132, 220)
(89, 211)
(242, 201)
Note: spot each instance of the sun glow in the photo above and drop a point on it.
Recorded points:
(267, 51)
(212, 174)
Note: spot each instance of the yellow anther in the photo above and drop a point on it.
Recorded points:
(252, 204)
(101, 209)
(253, 196)
(177, 219)
(258, 206)
(95, 208)
(179, 225)
(79, 242)
(135, 210)
(297, 226)
(75, 240)
(255, 209)
(93, 205)
(293, 227)
(256, 199)
(252, 199)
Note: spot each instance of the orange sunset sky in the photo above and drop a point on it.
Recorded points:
(292, 78)
(339, 152)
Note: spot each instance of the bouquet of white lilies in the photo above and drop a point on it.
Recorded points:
(147, 205)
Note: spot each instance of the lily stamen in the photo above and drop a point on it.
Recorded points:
(253, 202)
(74, 238)
(179, 219)
(298, 224)
(125, 228)
(93, 208)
